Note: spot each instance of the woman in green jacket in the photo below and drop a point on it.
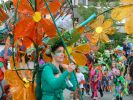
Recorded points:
(54, 79)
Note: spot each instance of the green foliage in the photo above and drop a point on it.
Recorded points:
(86, 12)
(118, 38)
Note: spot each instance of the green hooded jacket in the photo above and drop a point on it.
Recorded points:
(52, 87)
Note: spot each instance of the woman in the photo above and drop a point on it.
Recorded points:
(54, 80)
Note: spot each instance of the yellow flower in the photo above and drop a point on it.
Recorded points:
(37, 16)
(124, 12)
(101, 29)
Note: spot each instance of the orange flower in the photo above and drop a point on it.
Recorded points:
(34, 24)
(101, 29)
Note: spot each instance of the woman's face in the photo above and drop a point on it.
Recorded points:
(59, 55)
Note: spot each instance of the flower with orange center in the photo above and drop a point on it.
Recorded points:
(124, 12)
(33, 23)
(101, 29)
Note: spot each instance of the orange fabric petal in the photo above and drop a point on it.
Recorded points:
(18, 91)
(104, 38)
(47, 27)
(24, 7)
(79, 58)
(24, 28)
(54, 6)
(98, 22)
(85, 48)
(107, 24)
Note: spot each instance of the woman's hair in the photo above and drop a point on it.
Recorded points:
(56, 46)
(53, 48)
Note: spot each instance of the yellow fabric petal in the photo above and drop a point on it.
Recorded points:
(79, 58)
(104, 38)
(107, 24)
(110, 31)
(120, 13)
(127, 1)
(129, 25)
(85, 48)
(97, 22)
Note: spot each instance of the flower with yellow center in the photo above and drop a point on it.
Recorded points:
(124, 12)
(101, 29)
(37, 16)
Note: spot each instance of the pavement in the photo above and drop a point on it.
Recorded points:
(107, 96)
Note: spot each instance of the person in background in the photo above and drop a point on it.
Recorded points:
(81, 80)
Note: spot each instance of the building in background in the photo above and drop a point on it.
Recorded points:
(77, 2)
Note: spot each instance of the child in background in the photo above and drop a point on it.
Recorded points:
(81, 81)
(110, 77)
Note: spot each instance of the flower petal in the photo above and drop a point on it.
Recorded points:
(24, 7)
(85, 48)
(120, 13)
(104, 38)
(107, 24)
(24, 28)
(79, 58)
(98, 22)
(110, 31)
(47, 27)
(54, 5)
(129, 25)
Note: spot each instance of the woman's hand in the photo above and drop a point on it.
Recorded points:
(71, 67)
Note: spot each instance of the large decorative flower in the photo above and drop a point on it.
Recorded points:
(124, 12)
(33, 22)
(101, 29)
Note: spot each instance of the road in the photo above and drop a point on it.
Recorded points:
(107, 96)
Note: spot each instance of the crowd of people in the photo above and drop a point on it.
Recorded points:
(116, 78)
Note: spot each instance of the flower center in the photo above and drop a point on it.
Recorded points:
(37, 16)
(99, 29)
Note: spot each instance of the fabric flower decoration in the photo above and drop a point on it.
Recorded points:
(33, 22)
(78, 54)
(124, 12)
(18, 89)
(101, 29)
